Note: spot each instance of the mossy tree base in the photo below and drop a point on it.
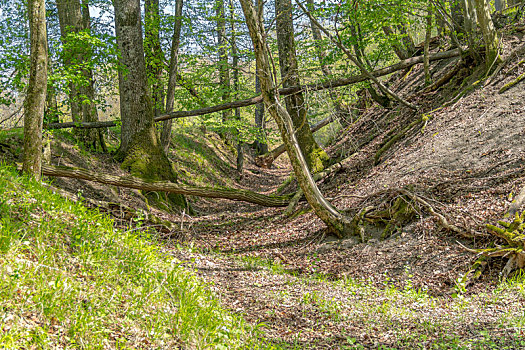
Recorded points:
(145, 159)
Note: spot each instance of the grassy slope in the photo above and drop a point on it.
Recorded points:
(68, 279)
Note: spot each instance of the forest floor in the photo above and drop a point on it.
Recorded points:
(305, 289)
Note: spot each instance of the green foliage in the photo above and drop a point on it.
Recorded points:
(68, 278)
(14, 50)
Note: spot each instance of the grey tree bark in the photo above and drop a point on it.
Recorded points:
(457, 15)
(89, 109)
(315, 157)
(261, 146)
(154, 54)
(74, 18)
(172, 75)
(140, 148)
(70, 19)
(500, 5)
(35, 100)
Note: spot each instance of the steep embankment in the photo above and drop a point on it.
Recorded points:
(69, 279)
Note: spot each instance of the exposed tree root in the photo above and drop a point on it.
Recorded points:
(395, 212)
(511, 84)
(442, 220)
(513, 234)
(445, 78)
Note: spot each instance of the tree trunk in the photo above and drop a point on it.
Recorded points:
(154, 54)
(337, 223)
(490, 37)
(261, 146)
(407, 40)
(173, 75)
(428, 34)
(140, 149)
(35, 100)
(315, 157)
(235, 78)
(70, 19)
(266, 160)
(343, 115)
(89, 108)
(224, 71)
(457, 15)
(74, 18)
(500, 5)
(398, 48)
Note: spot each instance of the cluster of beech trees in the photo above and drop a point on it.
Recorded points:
(342, 33)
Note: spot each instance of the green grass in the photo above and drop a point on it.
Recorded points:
(68, 279)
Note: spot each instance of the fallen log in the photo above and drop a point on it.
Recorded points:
(283, 92)
(139, 184)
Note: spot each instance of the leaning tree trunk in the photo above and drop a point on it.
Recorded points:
(35, 101)
(336, 222)
(172, 76)
(490, 37)
(315, 157)
(140, 149)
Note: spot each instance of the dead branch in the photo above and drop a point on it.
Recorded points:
(520, 50)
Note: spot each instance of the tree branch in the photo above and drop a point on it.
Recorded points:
(361, 67)
(283, 92)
